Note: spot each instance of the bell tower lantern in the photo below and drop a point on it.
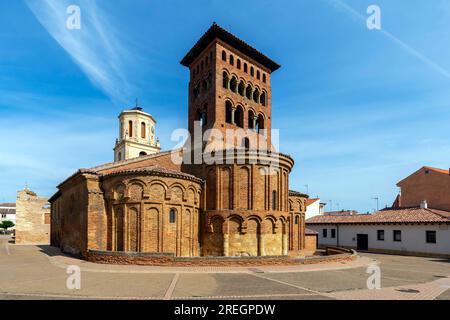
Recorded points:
(136, 135)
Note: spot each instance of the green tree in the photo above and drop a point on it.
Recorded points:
(6, 224)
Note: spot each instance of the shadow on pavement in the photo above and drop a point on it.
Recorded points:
(50, 251)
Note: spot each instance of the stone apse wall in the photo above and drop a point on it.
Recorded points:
(249, 212)
(128, 212)
(153, 214)
(32, 218)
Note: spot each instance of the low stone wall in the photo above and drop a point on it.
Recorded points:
(331, 250)
(398, 252)
(332, 254)
(158, 259)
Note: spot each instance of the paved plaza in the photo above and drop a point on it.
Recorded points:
(39, 272)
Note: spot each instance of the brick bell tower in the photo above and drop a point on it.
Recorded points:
(229, 88)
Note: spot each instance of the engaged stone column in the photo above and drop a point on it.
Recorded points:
(254, 122)
(232, 115)
(225, 244)
(262, 250)
(285, 244)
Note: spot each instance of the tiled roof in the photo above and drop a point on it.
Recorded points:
(154, 170)
(215, 31)
(341, 213)
(8, 204)
(445, 171)
(311, 201)
(297, 194)
(124, 163)
(309, 231)
(402, 215)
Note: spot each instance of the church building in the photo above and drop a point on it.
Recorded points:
(238, 205)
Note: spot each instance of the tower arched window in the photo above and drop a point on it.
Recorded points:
(241, 88)
(252, 71)
(239, 117)
(231, 59)
(245, 67)
(226, 80)
(264, 78)
(142, 153)
(238, 64)
(224, 55)
(274, 200)
(262, 98)
(172, 215)
(233, 84)
(248, 92)
(256, 96)
(196, 91)
(202, 117)
(228, 112)
(143, 130)
(251, 124)
(258, 75)
(130, 128)
(260, 123)
(246, 143)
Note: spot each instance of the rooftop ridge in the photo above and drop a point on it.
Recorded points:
(154, 170)
(116, 164)
(215, 31)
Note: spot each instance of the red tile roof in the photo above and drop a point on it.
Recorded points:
(309, 231)
(311, 201)
(401, 215)
(8, 204)
(154, 170)
(216, 32)
(445, 171)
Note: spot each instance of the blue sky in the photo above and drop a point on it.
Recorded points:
(358, 109)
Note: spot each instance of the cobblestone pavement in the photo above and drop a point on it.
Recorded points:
(39, 272)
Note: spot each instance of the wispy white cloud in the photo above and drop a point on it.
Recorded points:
(406, 47)
(96, 48)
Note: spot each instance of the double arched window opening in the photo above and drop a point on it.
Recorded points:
(235, 116)
(240, 88)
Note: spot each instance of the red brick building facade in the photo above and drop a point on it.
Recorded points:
(426, 184)
(232, 201)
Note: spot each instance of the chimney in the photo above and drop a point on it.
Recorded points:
(424, 204)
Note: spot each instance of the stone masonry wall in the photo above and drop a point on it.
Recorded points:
(32, 218)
